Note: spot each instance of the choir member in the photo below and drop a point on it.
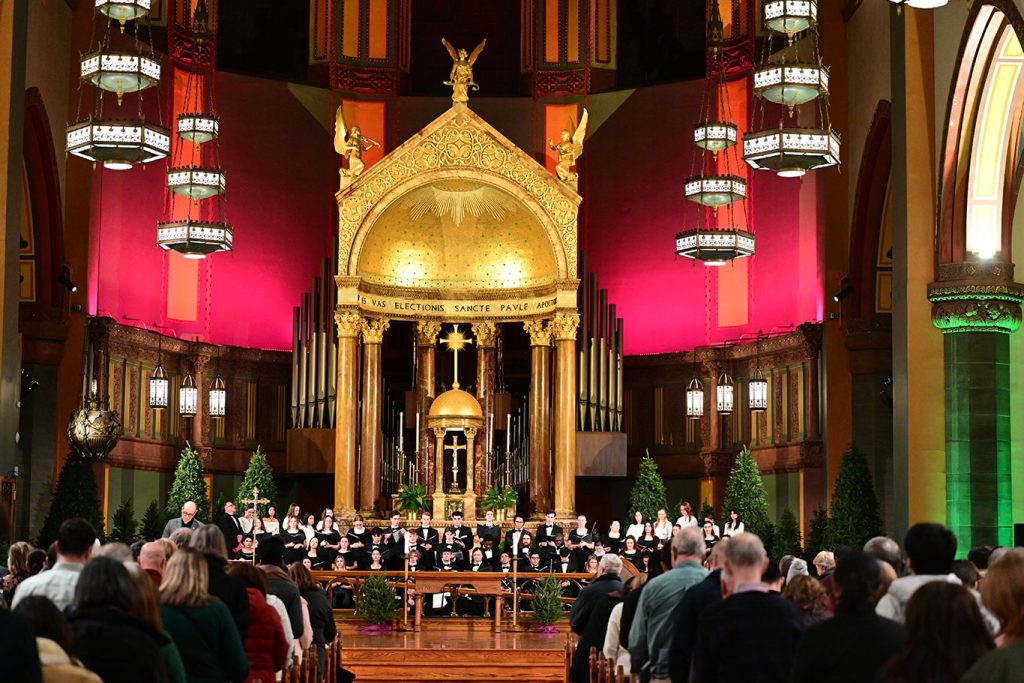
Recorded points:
(648, 542)
(358, 535)
(663, 527)
(686, 517)
(245, 521)
(270, 522)
(488, 530)
(394, 535)
(318, 559)
(581, 540)
(351, 556)
(734, 526)
(613, 539)
(546, 532)
(309, 528)
(463, 536)
(294, 541)
(330, 539)
(526, 548)
(636, 529)
(513, 535)
(428, 534)
(630, 551)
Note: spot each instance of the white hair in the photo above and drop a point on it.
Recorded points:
(611, 564)
(689, 542)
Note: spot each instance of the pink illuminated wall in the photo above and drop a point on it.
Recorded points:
(281, 175)
(633, 206)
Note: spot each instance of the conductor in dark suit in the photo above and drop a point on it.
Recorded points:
(232, 530)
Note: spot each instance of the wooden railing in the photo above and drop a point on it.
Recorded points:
(602, 669)
(305, 671)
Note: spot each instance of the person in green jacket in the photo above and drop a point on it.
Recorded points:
(1002, 592)
(147, 610)
(202, 627)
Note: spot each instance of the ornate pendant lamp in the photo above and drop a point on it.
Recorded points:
(188, 396)
(218, 398)
(196, 225)
(757, 387)
(119, 142)
(718, 238)
(786, 80)
(922, 4)
(695, 396)
(159, 384)
(724, 392)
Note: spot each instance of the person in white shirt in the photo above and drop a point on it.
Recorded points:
(636, 529)
(663, 527)
(245, 521)
(735, 525)
(686, 517)
(75, 541)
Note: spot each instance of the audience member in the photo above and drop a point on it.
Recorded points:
(210, 543)
(1002, 592)
(321, 618)
(266, 646)
(181, 537)
(107, 636)
(651, 632)
(944, 635)
(269, 559)
(687, 614)
(201, 625)
(53, 639)
(886, 550)
(979, 558)
(36, 561)
(773, 578)
(152, 558)
(853, 646)
(810, 598)
(147, 610)
(186, 520)
(74, 545)
(590, 613)
(968, 575)
(613, 648)
(797, 567)
(116, 551)
(17, 568)
(766, 624)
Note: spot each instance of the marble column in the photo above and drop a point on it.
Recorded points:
(540, 416)
(564, 326)
(346, 432)
(438, 471)
(486, 334)
(469, 499)
(371, 452)
(426, 341)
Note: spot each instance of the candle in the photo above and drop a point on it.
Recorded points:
(417, 432)
(490, 434)
(401, 429)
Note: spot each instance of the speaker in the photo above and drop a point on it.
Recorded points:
(1018, 535)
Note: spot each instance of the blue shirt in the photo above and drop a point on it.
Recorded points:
(650, 637)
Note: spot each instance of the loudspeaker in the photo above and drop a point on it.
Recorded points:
(1018, 535)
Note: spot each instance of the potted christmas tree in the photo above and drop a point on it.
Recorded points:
(376, 604)
(547, 604)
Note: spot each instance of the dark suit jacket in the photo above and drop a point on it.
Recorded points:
(686, 617)
(508, 539)
(493, 532)
(464, 534)
(602, 585)
(846, 649)
(542, 535)
(589, 618)
(229, 526)
(750, 637)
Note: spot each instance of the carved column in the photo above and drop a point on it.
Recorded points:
(486, 333)
(371, 452)
(564, 328)
(977, 305)
(438, 469)
(540, 416)
(426, 340)
(469, 499)
(346, 433)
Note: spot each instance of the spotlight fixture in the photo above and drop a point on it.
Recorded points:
(65, 279)
(842, 293)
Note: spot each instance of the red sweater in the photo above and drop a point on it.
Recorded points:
(265, 646)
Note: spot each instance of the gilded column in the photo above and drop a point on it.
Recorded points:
(486, 333)
(438, 470)
(346, 434)
(371, 452)
(563, 329)
(540, 416)
(426, 340)
(469, 499)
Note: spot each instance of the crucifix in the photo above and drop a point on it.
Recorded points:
(256, 502)
(456, 341)
(454, 449)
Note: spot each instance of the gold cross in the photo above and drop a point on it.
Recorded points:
(455, 448)
(456, 341)
(255, 501)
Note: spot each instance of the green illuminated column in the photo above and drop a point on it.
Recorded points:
(977, 306)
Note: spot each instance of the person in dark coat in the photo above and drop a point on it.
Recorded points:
(687, 615)
(21, 658)
(265, 646)
(321, 618)
(230, 590)
(107, 638)
(269, 558)
(856, 643)
(590, 613)
(231, 528)
(753, 633)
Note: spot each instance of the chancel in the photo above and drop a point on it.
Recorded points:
(548, 337)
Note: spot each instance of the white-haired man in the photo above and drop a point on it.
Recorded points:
(651, 633)
(187, 520)
(590, 613)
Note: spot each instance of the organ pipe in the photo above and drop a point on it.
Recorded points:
(599, 358)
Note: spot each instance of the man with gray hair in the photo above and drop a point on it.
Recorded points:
(651, 633)
(590, 614)
(767, 625)
(187, 520)
(886, 550)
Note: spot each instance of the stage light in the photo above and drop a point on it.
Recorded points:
(843, 293)
(65, 279)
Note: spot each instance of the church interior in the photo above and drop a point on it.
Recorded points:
(496, 254)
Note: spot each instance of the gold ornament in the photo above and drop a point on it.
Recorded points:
(461, 76)
(569, 150)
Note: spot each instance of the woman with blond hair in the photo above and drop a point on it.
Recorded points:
(146, 609)
(201, 625)
(17, 568)
(1002, 592)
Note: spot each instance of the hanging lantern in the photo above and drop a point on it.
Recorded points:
(758, 389)
(218, 398)
(198, 128)
(93, 431)
(715, 247)
(118, 145)
(695, 400)
(120, 71)
(188, 397)
(715, 190)
(159, 388)
(790, 84)
(715, 136)
(194, 239)
(790, 16)
(791, 152)
(123, 11)
(922, 4)
(725, 394)
(195, 183)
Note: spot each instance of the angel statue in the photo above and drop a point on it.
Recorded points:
(569, 150)
(461, 77)
(350, 144)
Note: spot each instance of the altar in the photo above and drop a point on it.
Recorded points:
(455, 226)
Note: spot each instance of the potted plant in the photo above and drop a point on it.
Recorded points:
(412, 499)
(500, 500)
(376, 604)
(547, 604)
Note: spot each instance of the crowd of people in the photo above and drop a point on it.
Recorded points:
(236, 600)
(877, 614)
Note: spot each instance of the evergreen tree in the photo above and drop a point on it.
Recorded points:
(189, 484)
(787, 535)
(705, 511)
(152, 525)
(376, 601)
(817, 534)
(648, 494)
(258, 475)
(745, 492)
(854, 517)
(76, 496)
(124, 525)
(546, 602)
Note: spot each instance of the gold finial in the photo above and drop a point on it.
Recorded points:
(461, 76)
(456, 341)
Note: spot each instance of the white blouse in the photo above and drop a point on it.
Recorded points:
(729, 531)
(684, 522)
(636, 531)
(663, 531)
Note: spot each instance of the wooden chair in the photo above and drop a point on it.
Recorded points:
(570, 652)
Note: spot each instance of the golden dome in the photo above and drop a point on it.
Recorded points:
(457, 234)
(456, 403)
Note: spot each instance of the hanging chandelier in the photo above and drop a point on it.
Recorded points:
(196, 224)
(218, 398)
(757, 386)
(803, 139)
(118, 142)
(695, 395)
(718, 238)
(921, 4)
(724, 392)
(188, 396)
(159, 388)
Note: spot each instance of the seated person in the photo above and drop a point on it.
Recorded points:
(489, 547)
(475, 605)
(339, 589)
(441, 602)
(318, 559)
(376, 562)
(351, 556)
(247, 552)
